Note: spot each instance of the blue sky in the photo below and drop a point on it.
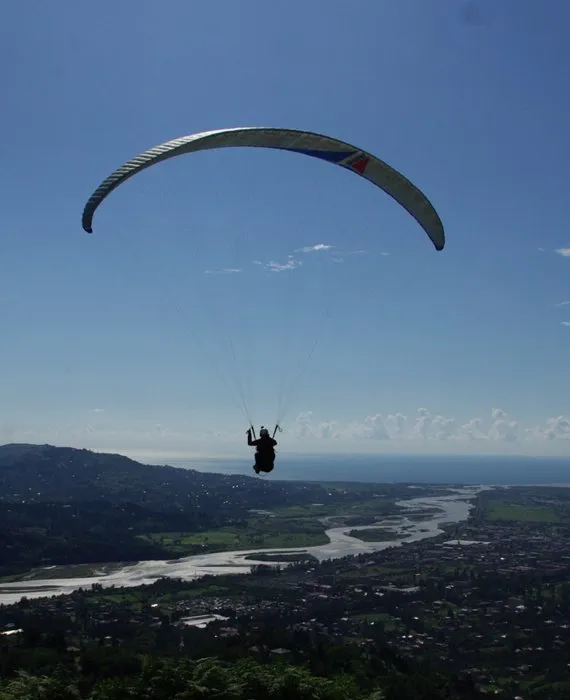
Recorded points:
(117, 340)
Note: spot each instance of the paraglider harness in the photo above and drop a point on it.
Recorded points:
(277, 428)
(264, 459)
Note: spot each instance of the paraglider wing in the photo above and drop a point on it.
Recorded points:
(304, 142)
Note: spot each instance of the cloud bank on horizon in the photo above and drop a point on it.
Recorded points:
(422, 432)
(427, 426)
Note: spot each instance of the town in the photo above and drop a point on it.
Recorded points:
(489, 600)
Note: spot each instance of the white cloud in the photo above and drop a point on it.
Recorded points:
(396, 424)
(423, 424)
(473, 430)
(362, 251)
(306, 428)
(314, 248)
(223, 271)
(303, 427)
(291, 264)
(328, 430)
(563, 303)
(426, 426)
(98, 410)
(503, 428)
(375, 428)
(445, 428)
(565, 323)
(565, 252)
(557, 428)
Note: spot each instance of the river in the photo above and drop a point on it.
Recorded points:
(450, 509)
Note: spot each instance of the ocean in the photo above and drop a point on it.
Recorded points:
(427, 469)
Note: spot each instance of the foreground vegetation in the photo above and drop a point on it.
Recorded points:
(212, 679)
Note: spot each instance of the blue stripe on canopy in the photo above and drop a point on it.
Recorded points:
(331, 156)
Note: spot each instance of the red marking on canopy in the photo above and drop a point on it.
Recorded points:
(359, 164)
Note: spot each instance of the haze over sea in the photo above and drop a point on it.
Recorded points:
(434, 469)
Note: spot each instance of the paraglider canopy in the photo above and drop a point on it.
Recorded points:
(306, 143)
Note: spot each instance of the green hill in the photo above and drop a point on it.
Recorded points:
(60, 505)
